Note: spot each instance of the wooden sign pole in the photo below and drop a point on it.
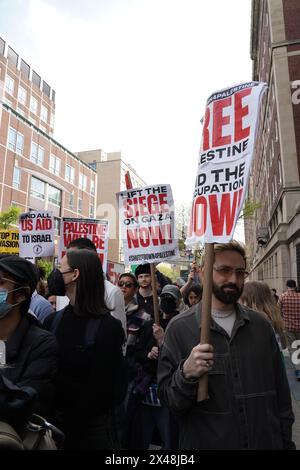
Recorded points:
(202, 393)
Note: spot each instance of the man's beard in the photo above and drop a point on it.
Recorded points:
(227, 297)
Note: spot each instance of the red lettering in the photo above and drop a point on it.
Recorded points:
(163, 203)
(158, 235)
(205, 132)
(43, 224)
(199, 216)
(226, 214)
(220, 121)
(128, 210)
(98, 242)
(143, 205)
(26, 224)
(240, 111)
(152, 204)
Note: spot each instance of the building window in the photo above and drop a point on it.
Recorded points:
(15, 141)
(57, 225)
(22, 95)
(55, 164)
(33, 104)
(70, 174)
(82, 181)
(92, 211)
(93, 165)
(17, 177)
(54, 195)
(80, 205)
(44, 113)
(37, 188)
(52, 120)
(32, 120)
(37, 154)
(92, 187)
(9, 85)
(71, 200)
(20, 111)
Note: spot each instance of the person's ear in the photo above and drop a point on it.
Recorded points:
(76, 274)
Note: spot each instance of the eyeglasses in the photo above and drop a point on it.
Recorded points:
(228, 271)
(65, 272)
(125, 284)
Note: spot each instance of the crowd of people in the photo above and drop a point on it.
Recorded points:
(109, 377)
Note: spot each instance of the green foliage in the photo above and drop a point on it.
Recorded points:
(46, 267)
(9, 217)
(167, 270)
(250, 207)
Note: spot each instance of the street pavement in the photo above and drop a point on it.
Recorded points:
(295, 392)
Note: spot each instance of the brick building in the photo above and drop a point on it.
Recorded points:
(273, 236)
(37, 172)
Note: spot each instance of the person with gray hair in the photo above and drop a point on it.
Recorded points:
(249, 404)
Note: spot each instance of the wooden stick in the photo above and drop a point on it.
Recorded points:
(202, 393)
(154, 293)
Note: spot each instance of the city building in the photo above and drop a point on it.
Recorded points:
(111, 170)
(273, 235)
(36, 171)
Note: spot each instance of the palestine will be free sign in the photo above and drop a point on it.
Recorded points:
(36, 234)
(95, 230)
(147, 224)
(226, 151)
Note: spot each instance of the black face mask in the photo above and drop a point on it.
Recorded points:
(168, 304)
(56, 283)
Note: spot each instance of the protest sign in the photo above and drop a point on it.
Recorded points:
(226, 151)
(147, 224)
(114, 270)
(95, 230)
(36, 234)
(9, 242)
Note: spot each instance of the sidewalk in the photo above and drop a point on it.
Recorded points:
(295, 392)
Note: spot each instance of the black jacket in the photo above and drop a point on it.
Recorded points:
(89, 374)
(250, 403)
(27, 384)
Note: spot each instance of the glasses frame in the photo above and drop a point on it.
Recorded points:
(228, 271)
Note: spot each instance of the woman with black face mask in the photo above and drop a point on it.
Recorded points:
(90, 346)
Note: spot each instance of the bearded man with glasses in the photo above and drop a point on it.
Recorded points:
(249, 404)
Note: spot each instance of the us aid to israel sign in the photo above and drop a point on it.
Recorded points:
(94, 229)
(147, 224)
(36, 234)
(228, 140)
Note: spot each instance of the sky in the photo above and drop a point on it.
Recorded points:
(134, 75)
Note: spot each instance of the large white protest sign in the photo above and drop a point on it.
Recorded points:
(94, 229)
(36, 234)
(226, 151)
(147, 224)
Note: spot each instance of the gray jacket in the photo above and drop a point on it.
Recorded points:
(250, 403)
